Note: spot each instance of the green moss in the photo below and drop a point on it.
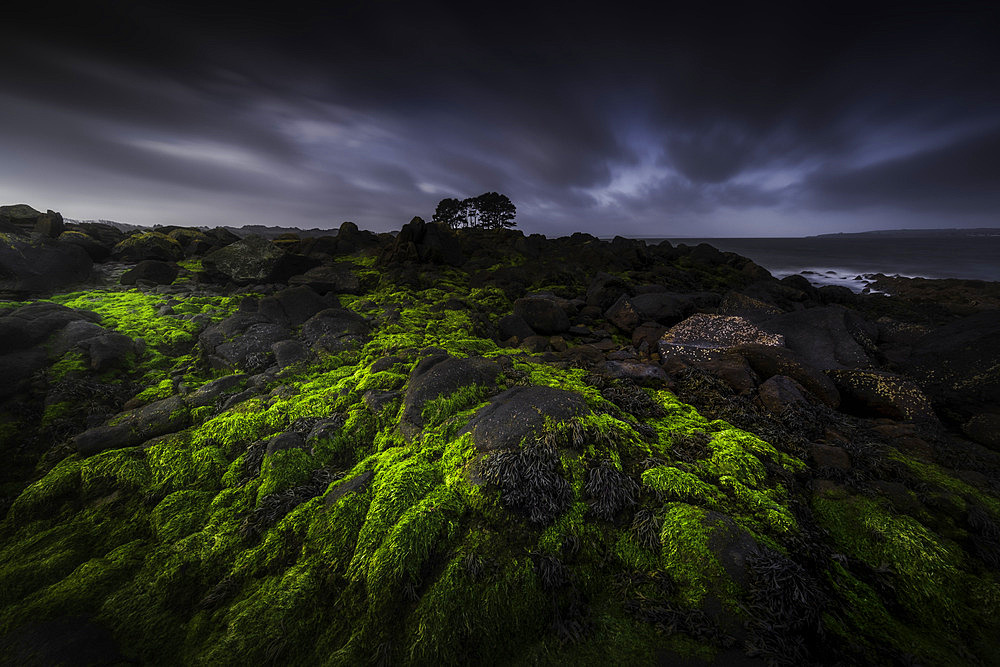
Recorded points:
(283, 470)
(926, 567)
(677, 484)
(686, 555)
(71, 363)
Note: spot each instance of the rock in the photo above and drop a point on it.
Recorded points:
(544, 315)
(50, 225)
(17, 368)
(768, 360)
(521, 412)
(747, 307)
(830, 456)
(289, 352)
(826, 338)
(440, 376)
(535, 344)
(623, 314)
(732, 369)
(377, 401)
(210, 393)
(704, 337)
(97, 251)
(335, 329)
(646, 337)
(152, 270)
(251, 350)
(323, 279)
(514, 326)
(250, 260)
(25, 326)
(283, 441)
(193, 241)
(40, 267)
(18, 219)
(292, 306)
(878, 394)
(605, 289)
(135, 427)
(666, 308)
(958, 365)
(108, 350)
(779, 393)
(148, 245)
(649, 375)
(984, 428)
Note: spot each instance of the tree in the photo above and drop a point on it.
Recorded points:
(495, 210)
(450, 212)
(490, 210)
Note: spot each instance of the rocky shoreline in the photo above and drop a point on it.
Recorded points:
(474, 446)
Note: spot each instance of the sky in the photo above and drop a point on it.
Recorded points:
(630, 118)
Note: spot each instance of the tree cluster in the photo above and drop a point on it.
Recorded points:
(490, 210)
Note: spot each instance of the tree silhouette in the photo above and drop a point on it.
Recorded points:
(490, 210)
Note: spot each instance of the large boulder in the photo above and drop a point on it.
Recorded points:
(151, 270)
(768, 361)
(292, 306)
(18, 219)
(543, 314)
(252, 350)
(25, 326)
(340, 279)
(250, 260)
(335, 329)
(40, 267)
(148, 245)
(442, 375)
(958, 365)
(135, 427)
(703, 337)
(877, 394)
(522, 412)
(826, 338)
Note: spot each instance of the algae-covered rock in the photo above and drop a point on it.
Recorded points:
(460, 381)
(520, 412)
(148, 245)
(135, 427)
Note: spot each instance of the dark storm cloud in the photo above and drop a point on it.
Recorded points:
(630, 117)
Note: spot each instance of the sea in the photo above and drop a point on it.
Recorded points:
(851, 260)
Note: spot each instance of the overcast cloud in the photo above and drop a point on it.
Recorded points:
(629, 120)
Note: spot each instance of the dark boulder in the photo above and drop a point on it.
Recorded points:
(521, 412)
(292, 306)
(984, 428)
(442, 375)
(35, 322)
(543, 314)
(289, 352)
(768, 361)
(650, 375)
(877, 394)
(148, 245)
(337, 278)
(16, 368)
(135, 427)
(605, 289)
(252, 350)
(250, 260)
(335, 329)
(283, 441)
(18, 219)
(623, 314)
(514, 326)
(779, 393)
(39, 267)
(210, 393)
(827, 337)
(97, 251)
(151, 270)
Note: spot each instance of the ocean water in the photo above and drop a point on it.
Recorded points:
(847, 260)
